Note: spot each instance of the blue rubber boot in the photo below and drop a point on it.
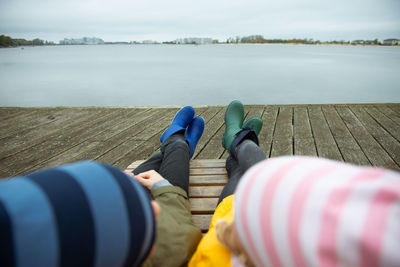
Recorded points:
(193, 133)
(180, 122)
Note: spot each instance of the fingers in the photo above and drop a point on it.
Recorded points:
(149, 174)
(148, 179)
(143, 180)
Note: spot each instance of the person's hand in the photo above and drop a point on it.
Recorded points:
(148, 179)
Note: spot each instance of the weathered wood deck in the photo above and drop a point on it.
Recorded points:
(34, 138)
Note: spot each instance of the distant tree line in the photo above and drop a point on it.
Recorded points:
(259, 39)
(6, 41)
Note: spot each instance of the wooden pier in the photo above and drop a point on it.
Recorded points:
(35, 138)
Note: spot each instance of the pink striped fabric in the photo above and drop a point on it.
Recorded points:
(313, 200)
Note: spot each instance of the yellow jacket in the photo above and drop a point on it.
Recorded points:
(210, 252)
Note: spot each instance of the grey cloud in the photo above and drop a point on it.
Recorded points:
(156, 19)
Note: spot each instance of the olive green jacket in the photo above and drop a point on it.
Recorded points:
(176, 237)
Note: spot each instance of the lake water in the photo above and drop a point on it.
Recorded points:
(159, 75)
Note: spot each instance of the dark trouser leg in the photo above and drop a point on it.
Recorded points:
(248, 153)
(234, 174)
(172, 162)
(152, 163)
(175, 163)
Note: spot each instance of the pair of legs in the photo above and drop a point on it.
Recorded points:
(172, 162)
(246, 154)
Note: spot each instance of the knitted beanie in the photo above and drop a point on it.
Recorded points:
(81, 214)
(303, 211)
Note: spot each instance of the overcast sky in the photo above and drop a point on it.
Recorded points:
(161, 20)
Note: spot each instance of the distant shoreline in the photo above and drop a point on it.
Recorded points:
(6, 42)
(159, 44)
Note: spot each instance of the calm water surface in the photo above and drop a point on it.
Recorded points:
(154, 75)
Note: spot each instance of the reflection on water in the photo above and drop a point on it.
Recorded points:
(154, 75)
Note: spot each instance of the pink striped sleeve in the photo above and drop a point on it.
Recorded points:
(375, 227)
(327, 250)
(265, 211)
(297, 209)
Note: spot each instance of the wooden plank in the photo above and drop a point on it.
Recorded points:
(203, 205)
(205, 191)
(12, 112)
(131, 120)
(124, 129)
(31, 137)
(202, 221)
(348, 147)
(4, 174)
(208, 171)
(148, 147)
(325, 143)
(123, 145)
(282, 143)
(395, 108)
(41, 119)
(83, 133)
(208, 179)
(215, 129)
(19, 118)
(269, 123)
(304, 143)
(199, 163)
(207, 163)
(200, 172)
(390, 113)
(386, 141)
(116, 153)
(389, 125)
(212, 124)
(57, 130)
(48, 149)
(371, 148)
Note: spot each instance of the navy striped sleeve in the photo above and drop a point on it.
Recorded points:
(6, 243)
(141, 217)
(33, 229)
(109, 211)
(73, 217)
(80, 214)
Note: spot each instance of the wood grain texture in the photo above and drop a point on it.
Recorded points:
(282, 142)
(371, 148)
(348, 146)
(303, 138)
(325, 143)
(34, 138)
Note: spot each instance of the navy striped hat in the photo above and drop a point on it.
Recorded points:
(81, 214)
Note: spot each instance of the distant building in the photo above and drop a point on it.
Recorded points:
(358, 42)
(391, 42)
(193, 40)
(148, 42)
(369, 42)
(82, 41)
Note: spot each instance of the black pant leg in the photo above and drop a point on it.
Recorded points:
(248, 153)
(175, 163)
(152, 163)
(234, 175)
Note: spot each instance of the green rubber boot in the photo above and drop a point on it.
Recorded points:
(254, 123)
(234, 117)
